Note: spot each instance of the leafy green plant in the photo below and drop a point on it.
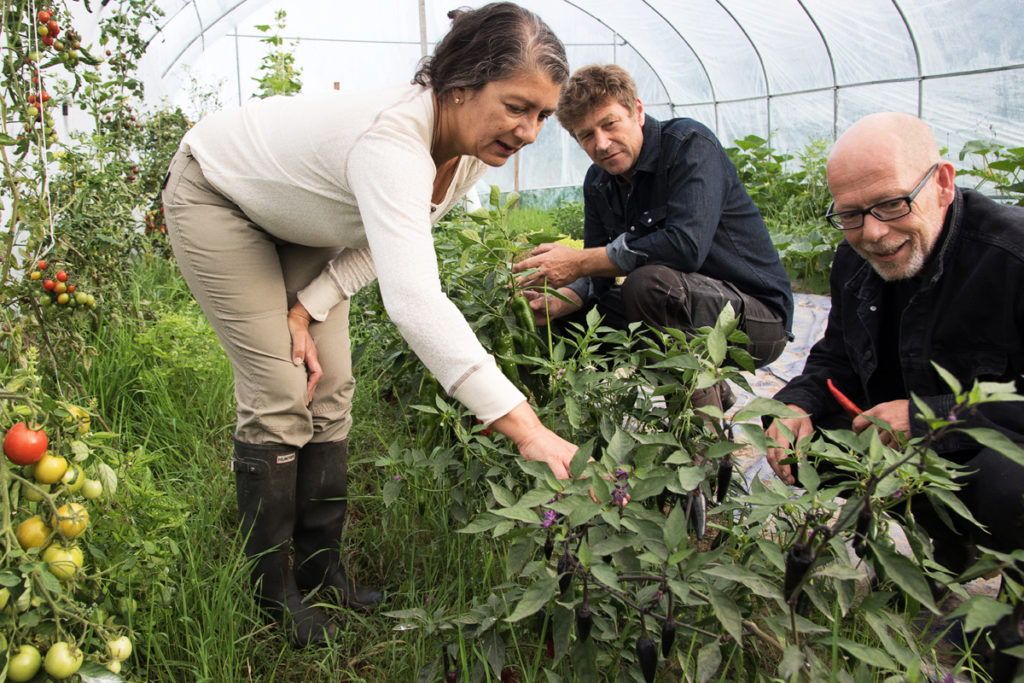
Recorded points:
(997, 166)
(626, 548)
(567, 218)
(278, 73)
(656, 537)
(791, 194)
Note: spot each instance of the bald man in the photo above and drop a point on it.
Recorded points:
(927, 273)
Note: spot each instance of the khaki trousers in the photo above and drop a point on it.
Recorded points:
(245, 281)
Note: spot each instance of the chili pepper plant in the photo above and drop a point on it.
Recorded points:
(657, 560)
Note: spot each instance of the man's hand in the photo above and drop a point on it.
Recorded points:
(896, 413)
(303, 348)
(554, 265)
(801, 427)
(545, 306)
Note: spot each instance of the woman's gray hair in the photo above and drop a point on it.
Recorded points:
(492, 43)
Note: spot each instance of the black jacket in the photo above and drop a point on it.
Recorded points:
(967, 316)
(687, 210)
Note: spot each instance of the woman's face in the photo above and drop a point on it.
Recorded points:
(496, 121)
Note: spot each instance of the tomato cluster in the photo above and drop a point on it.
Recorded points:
(58, 290)
(49, 493)
(48, 30)
(49, 35)
(47, 477)
(155, 221)
(36, 110)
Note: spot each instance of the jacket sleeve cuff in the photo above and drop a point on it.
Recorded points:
(487, 392)
(624, 258)
(583, 287)
(349, 272)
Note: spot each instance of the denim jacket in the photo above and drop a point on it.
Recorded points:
(967, 316)
(687, 210)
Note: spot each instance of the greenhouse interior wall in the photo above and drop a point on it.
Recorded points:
(788, 71)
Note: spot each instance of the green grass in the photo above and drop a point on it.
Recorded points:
(529, 220)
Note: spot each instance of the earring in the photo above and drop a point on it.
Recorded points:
(458, 101)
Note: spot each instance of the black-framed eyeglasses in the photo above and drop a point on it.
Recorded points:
(887, 210)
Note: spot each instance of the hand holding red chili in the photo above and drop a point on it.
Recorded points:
(849, 406)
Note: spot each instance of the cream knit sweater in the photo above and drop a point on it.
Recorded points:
(355, 171)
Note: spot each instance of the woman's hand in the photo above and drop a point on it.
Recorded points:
(303, 348)
(535, 441)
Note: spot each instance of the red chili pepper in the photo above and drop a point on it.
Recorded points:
(849, 406)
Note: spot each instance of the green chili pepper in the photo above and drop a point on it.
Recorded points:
(523, 313)
(506, 348)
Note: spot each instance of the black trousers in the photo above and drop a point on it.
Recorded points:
(667, 298)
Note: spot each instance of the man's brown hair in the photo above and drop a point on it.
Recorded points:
(589, 88)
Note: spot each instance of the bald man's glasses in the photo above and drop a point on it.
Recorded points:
(888, 210)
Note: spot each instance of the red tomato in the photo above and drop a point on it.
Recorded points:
(41, 265)
(48, 285)
(71, 289)
(53, 27)
(44, 16)
(24, 446)
(62, 276)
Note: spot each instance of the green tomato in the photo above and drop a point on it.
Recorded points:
(62, 660)
(35, 493)
(127, 606)
(63, 562)
(5, 595)
(74, 478)
(24, 665)
(119, 649)
(92, 489)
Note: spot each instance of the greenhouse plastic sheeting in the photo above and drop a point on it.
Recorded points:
(790, 71)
